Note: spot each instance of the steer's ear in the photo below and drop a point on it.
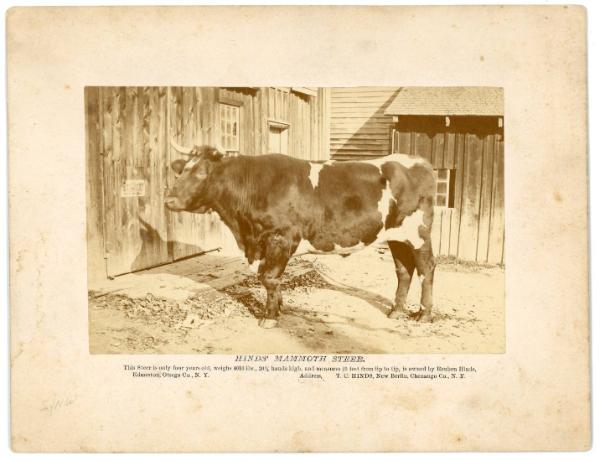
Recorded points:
(178, 165)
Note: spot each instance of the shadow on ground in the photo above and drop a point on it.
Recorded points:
(210, 303)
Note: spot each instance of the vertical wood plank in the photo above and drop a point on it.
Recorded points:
(324, 137)
(280, 115)
(423, 146)
(264, 127)
(404, 144)
(94, 190)
(327, 151)
(107, 102)
(307, 128)
(496, 243)
(436, 230)
(313, 113)
(437, 154)
(471, 198)
(257, 122)
(486, 199)
(151, 211)
(159, 164)
(114, 175)
(173, 133)
(200, 122)
(160, 119)
(188, 116)
(449, 161)
(458, 194)
(286, 105)
(142, 244)
(271, 101)
(129, 224)
(182, 223)
(300, 124)
(300, 133)
(246, 131)
(446, 223)
(459, 149)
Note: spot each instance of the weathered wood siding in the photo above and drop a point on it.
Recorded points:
(128, 132)
(359, 127)
(134, 227)
(95, 183)
(473, 229)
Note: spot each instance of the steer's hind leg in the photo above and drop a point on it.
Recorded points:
(405, 266)
(425, 263)
(276, 256)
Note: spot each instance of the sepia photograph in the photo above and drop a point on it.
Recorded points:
(232, 220)
(203, 259)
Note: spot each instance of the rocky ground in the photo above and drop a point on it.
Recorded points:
(332, 304)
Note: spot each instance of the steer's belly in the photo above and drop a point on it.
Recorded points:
(305, 247)
(407, 232)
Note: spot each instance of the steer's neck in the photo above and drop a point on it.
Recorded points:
(227, 195)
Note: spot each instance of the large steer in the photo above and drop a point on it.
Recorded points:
(277, 206)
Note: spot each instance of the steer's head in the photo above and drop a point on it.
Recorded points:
(190, 191)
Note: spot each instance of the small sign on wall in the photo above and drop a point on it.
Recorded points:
(133, 188)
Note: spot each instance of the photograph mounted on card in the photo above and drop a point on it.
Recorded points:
(242, 229)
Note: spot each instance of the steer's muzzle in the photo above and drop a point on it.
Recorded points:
(174, 203)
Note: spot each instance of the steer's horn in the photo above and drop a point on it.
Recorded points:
(219, 148)
(181, 149)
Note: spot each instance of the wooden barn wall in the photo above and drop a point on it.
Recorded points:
(306, 116)
(473, 229)
(132, 147)
(128, 133)
(359, 127)
(94, 180)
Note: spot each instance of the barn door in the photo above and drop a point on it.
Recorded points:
(137, 124)
(135, 154)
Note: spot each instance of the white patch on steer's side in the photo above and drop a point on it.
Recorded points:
(407, 232)
(384, 202)
(408, 161)
(315, 169)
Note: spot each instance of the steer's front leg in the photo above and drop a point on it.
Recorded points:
(276, 256)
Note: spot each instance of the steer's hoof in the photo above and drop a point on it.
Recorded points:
(421, 316)
(267, 323)
(396, 314)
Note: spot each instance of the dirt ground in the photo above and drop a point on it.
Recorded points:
(207, 305)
